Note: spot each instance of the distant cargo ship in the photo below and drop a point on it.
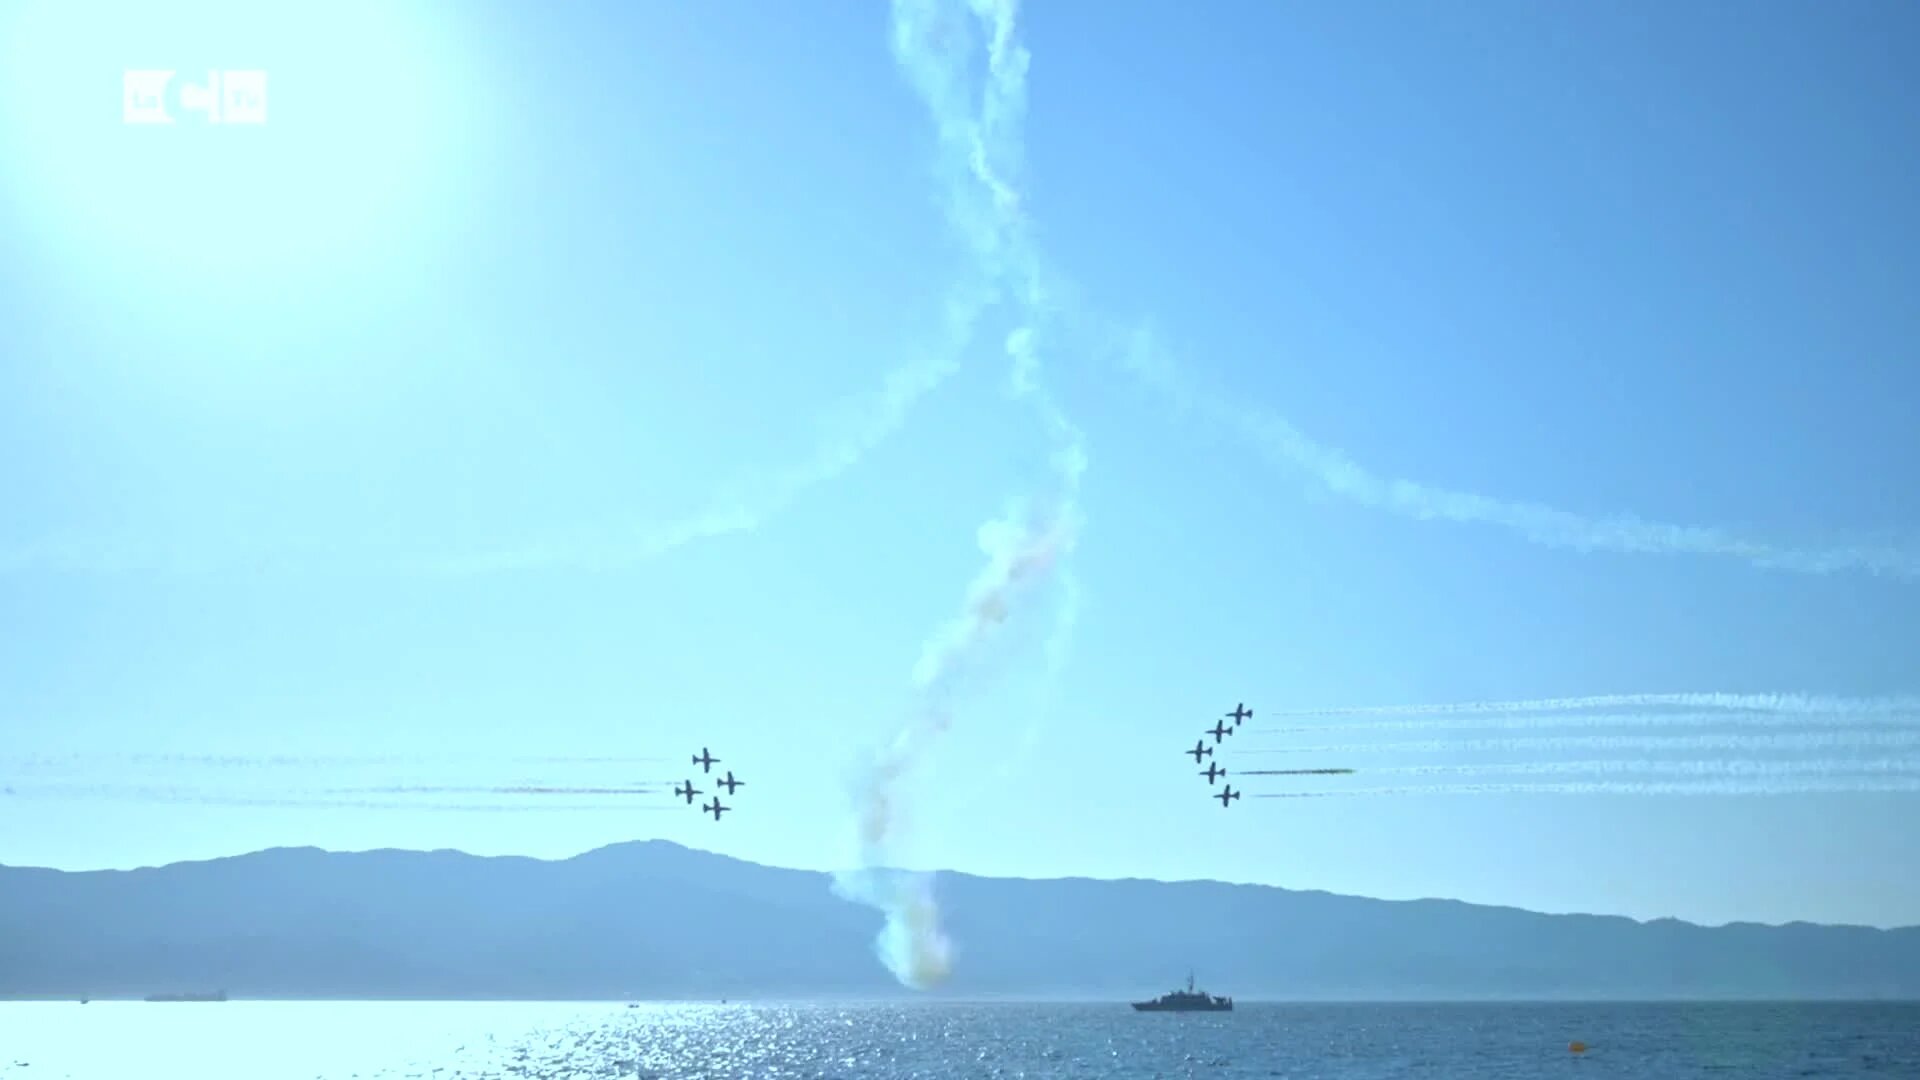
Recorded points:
(217, 995)
(1188, 1000)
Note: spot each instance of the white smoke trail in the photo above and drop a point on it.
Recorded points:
(542, 790)
(1282, 444)
(1492, 721)
(867, 423)
(1796, 704)
(858, 428)
(1713, 786)
(1744, 743)
(1740, 768)
(95, 758)
(932, 42)
(179, 796)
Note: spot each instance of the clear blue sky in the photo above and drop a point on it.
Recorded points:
(358, 433)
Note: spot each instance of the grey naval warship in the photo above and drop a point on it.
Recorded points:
(1188, 1000)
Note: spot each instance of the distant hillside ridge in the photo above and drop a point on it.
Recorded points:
(654, 920)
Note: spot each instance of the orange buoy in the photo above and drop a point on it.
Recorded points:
(1577, 1047)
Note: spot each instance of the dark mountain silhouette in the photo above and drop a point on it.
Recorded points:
(655, 920)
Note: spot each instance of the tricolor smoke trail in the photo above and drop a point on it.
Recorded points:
(1557, 721)
(912, 945)
(1789, 723)
(1805, 713)
(297, 801)
(1802, 705)
(308, 761)
(507, 790)
(977, 122)
(1706, 787)
(1735, 767)
(1760, 742)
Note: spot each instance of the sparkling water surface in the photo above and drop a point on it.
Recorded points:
(249, 1040)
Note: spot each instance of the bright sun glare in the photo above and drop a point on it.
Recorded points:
(368, 119)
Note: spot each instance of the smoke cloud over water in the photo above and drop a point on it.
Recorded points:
(976, 117)
(1022, 551)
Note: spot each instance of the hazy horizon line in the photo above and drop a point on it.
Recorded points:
(1131, 879)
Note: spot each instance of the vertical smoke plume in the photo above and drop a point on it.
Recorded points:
(1021, 550)
(933, 41)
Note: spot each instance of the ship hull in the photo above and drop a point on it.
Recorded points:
(1154, 1006)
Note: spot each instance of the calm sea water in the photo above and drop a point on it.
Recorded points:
(373, 1041)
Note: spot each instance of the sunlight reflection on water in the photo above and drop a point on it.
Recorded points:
(248, 1040)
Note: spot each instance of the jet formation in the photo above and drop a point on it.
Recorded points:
(714, 806)
(1215, 772)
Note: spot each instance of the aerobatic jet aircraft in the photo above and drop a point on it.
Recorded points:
(705, 760)
(1214, 772)
(687, 791)
(1200, 749)
(1226, 794)
(729, 783)
(713, 807)
(1240, 714)
(1220, 730)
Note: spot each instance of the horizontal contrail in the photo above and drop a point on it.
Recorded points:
(516, 790)
(1543, 721)
(284, 803)
(1795, 704)
(1284, 445)
(1752, 742)
(1297, 772)
(1660, 768)
(181, 791)
(1739, 786)
(299, 761)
